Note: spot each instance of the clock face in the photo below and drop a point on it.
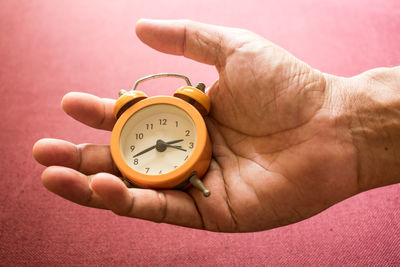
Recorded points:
(157, 139)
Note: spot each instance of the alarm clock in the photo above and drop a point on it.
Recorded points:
(162, 142)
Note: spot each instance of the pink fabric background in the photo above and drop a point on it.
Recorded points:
(48, 48)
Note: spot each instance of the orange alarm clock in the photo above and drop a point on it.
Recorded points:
(162, 142)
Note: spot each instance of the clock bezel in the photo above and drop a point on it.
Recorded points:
(196, 163)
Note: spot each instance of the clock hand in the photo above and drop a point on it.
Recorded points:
(173, 142)
(161, 146)
(176, 147)
(144, 151)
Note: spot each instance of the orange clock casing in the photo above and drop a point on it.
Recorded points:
(197, 163)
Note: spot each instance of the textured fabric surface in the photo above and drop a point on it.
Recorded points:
(48, 48)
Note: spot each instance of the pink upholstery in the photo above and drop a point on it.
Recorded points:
(48, 48)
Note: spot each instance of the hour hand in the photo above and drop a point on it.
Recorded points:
(176, 147)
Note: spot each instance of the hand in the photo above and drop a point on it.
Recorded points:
(282, 148)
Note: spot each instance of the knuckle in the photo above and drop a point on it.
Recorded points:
(162, 207)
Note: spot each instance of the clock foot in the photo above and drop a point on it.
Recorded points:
(198, 184)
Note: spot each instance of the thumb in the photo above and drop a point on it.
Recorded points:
(201, 42)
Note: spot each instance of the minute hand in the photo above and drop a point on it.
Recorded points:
(144, 151)
(173, 142)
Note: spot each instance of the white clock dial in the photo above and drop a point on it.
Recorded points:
(157, 139)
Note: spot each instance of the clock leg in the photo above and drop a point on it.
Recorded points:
(198, 184)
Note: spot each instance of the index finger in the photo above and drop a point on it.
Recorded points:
(91, 110)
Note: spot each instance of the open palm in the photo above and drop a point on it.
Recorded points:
(278, 155)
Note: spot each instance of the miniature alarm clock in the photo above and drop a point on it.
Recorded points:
(162, 142)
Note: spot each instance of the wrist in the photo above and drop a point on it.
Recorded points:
(369, 106)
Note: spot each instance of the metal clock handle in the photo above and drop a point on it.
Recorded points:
(154, 76)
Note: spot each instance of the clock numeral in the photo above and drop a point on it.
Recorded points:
(160, 172)
(191, 145)
(176, 123)
(187, 133)
(135, 161)
(149, 126)
(175, 167)
(132, 148)
(139, 136)
(186, 157)
(163, 121)
(147, 170)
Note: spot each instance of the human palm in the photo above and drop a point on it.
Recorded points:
(278, 156)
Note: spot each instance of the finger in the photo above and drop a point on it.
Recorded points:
(89, 109)
(71, 185)
(201, 42)
(167, 206)
(85, 158)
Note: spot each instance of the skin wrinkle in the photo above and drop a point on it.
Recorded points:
(90, 197)
(306, 89)
(311, 84)
(220, 51)
(257, 85)
(291, 146)
(289, 80)
(298, 126)
(389, 136)
(199, 213)
(250, 186)
(200, 38)
(184, 40)
(227, 77)
(357, 152)
(79, 152)
(223, 83)
(270, 161)
(163, 206)
(376, 80)
(272, 209)
(384, 127)
(228, 201)
(103, 118)
(299, 215)
(80, 149)
(232, 50)
(365, 152)
(293, 209)
(237, 142)
(270, 153)
(265, 136)
(260, 164)
(131, 204)
(307, 86)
